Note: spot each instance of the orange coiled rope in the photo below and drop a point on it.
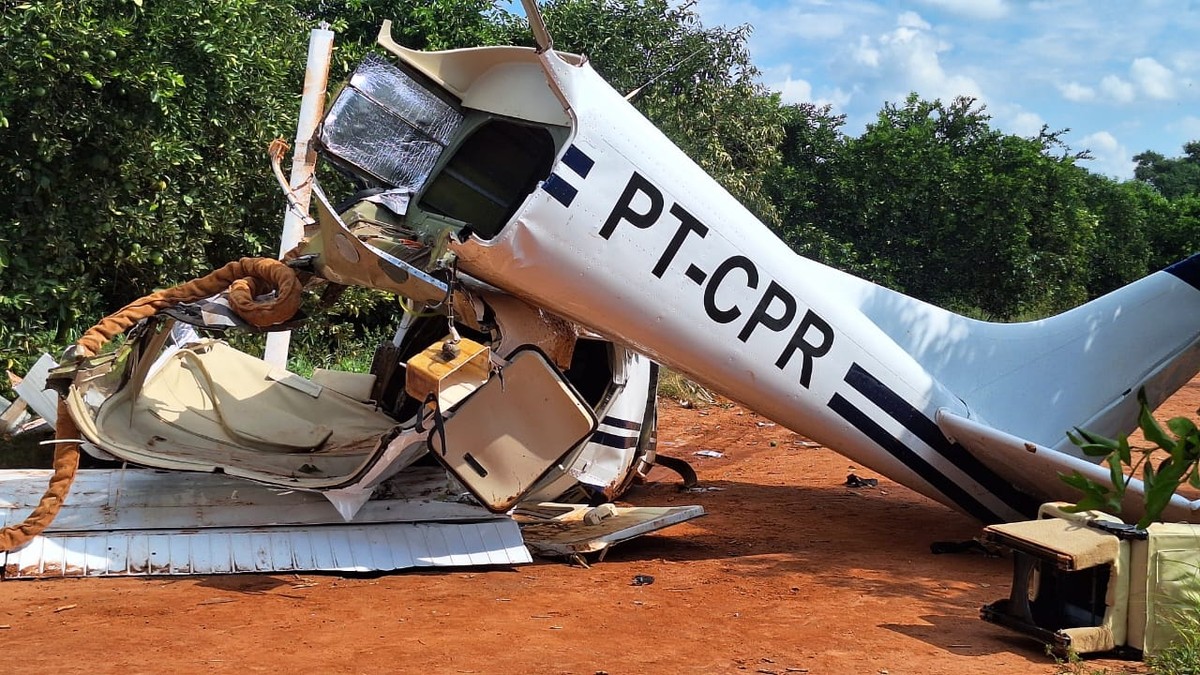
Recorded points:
(246, 279)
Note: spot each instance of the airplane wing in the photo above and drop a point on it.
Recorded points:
(1036, 469)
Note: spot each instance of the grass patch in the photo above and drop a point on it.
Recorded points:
(1182, 655)
(677, 387)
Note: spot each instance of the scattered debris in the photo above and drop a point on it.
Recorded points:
(806, 444)
(709, 453)
(854, 481)
(12, 415)
(704, 489)
(642, 580)
(596, 515)
(64, 608)
(765, 424)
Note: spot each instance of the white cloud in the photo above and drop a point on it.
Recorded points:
(1148, 79)
(1186, 61)
(797, 90)
(866, 53)
(793, 91)
(1073, 91)
(1153, 78)
(975, 9)
(912, 20)
(910, 61)
(1117, 89)
(1026, 124)
(1109, 156)
(778, 28)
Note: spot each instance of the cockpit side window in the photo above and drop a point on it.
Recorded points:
(490, 175)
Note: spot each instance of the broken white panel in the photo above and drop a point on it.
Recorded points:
(33, 390)
(12, 414)
(562, 529)
(119, 522)
(368, 547)
(142, 499)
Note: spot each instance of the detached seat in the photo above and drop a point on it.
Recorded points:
(1088, 583)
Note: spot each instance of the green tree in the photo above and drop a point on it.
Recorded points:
(1127, 215)
(1172, 177)
(134, 153)
(1179, 232)
(961, 215)
(134, 134)
(810, 190)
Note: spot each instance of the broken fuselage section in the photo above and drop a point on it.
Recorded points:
(518, 404)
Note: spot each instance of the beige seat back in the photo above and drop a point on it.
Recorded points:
(505, 436)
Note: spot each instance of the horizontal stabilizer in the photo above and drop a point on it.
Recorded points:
(1037, 469)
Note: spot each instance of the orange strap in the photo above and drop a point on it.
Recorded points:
(246, 279)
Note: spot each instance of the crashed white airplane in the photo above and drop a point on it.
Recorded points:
(510, 195)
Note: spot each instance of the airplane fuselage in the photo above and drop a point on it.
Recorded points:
(631, 238)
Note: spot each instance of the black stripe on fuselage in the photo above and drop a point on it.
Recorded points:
(613, 440)
(619, 423)
(1188, 270)
(927, 430)
(562, 191)
(912, 460)
(578, 161)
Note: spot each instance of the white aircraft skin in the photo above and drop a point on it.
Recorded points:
(629, 237)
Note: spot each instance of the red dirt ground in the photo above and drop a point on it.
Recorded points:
(791, 572)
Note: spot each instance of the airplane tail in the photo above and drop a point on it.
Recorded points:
(1082, 368)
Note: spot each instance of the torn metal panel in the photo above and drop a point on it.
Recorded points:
(609, 455)
(139, 522)
(564, 530)
(13, 415)
(32, 389)
(346, 259)
(505, 80)
(135, 499)
(511, 432)
(368, 547)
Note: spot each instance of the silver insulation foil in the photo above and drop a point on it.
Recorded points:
(387, 126)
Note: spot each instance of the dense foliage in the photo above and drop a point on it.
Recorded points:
(132, 138)
(134, 150)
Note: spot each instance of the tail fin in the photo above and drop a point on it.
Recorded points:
(1082, 368)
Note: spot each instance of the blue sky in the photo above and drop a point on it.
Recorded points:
(1120, 74)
